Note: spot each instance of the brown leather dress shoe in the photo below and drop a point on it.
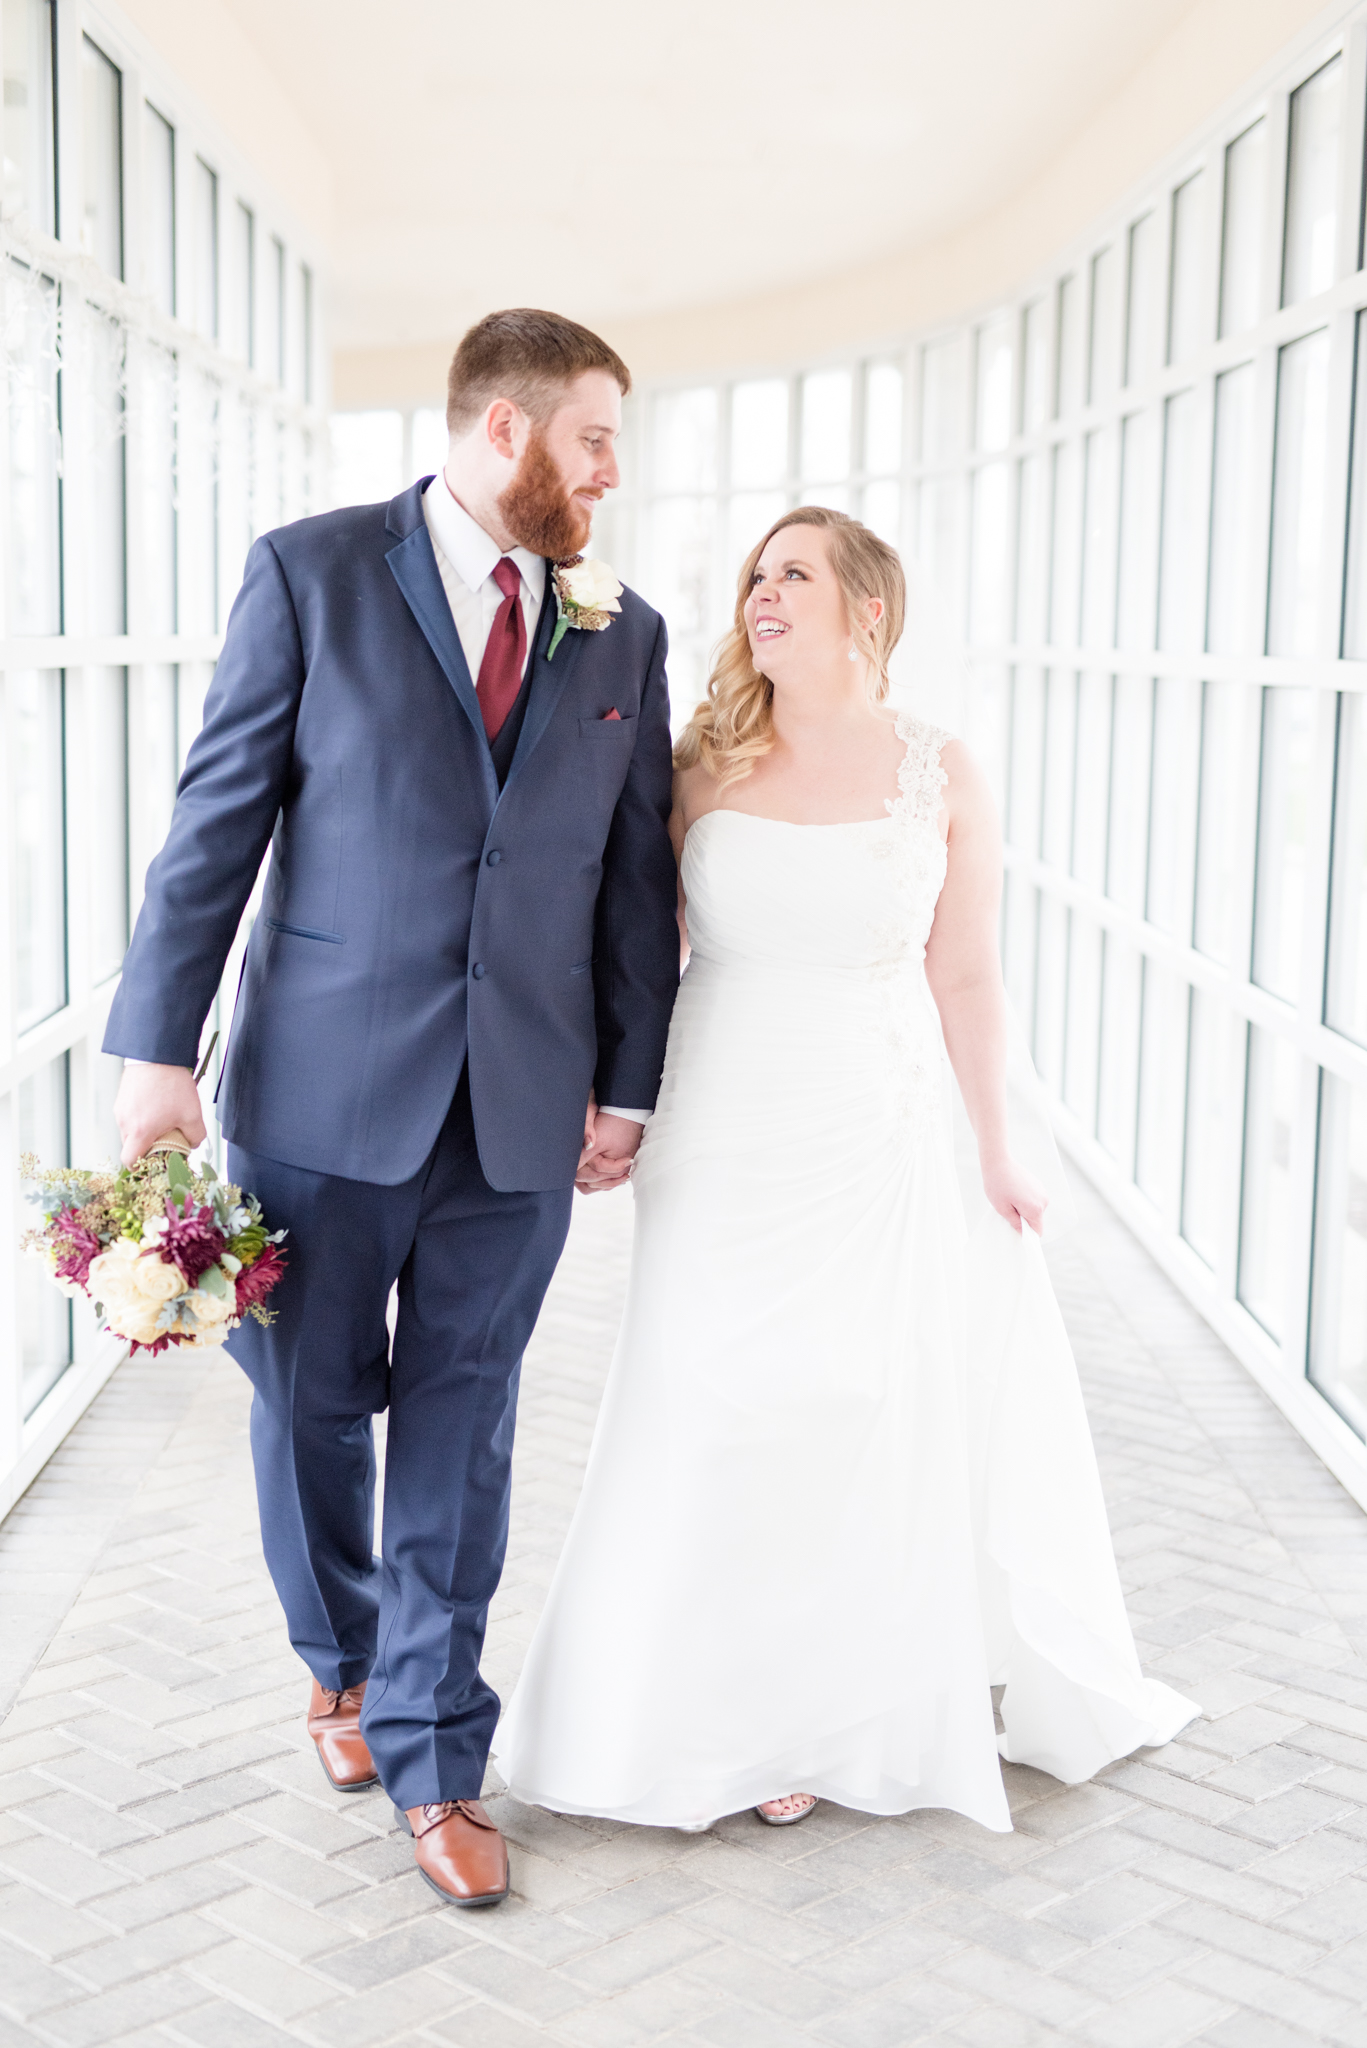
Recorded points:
(335, 1725)
(459, 1851)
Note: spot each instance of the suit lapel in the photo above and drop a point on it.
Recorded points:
(548, 677)
(413, 564)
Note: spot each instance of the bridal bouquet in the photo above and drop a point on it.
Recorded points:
(168, 1255)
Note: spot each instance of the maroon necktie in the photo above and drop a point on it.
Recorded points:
(505, 654)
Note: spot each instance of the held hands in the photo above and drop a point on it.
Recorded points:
(1014, 1193)
(153, 1100)
(610, 1144)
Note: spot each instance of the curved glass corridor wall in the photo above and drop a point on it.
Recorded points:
(159, 355)
(1139, 495)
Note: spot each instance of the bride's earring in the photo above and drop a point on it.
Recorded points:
(854, 652)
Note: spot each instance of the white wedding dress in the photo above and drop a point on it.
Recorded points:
(842, 1481)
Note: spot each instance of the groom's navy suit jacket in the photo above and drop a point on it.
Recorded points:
(414, 915)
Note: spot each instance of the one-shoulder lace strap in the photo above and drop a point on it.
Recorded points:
(920, 777)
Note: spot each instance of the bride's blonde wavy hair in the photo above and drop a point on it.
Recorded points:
(734, 724)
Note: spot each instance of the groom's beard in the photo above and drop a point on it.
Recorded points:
(538, 511)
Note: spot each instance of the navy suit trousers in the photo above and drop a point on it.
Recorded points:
(472, 1265)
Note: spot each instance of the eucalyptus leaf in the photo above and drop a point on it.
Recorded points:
(213, 1280)
(178, 1171)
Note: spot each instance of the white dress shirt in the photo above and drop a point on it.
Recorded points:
(467, 557)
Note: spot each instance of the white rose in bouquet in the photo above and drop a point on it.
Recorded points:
(133, 1289)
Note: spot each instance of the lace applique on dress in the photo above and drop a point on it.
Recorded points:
(920, 777)
(919, 858)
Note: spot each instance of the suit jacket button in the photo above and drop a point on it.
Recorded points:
(494, 858)
(478, 970)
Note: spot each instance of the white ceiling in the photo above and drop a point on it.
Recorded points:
(624, 157)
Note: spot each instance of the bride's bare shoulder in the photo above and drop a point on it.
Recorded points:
(695, 791)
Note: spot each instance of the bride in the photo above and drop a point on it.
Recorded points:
(842, 1483)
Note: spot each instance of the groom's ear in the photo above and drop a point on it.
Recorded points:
(506, 428)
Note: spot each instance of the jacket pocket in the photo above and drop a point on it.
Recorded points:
(300, 931)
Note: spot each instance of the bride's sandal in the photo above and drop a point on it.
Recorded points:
(782, 1813)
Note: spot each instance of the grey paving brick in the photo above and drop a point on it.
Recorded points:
(262, 1917)
(523, 1986)
(1286, 1998)
(57, 1869)
(217, 2023)
(29, 1987)
(903, 2012)
(1288, 1816)
(1117, 1967)
(1027, 1940)
(1199, 1920)
(289, 1871)
(478, 2025)
(112, 2013)
(265, 1984)
(137, 1905)
(183, 1846)
(50, 1930)
(360, 1966)
(1313, 1861)
(1160, 2017)
(156, 1947)
(1109, 1906)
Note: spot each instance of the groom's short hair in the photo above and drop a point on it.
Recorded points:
(527, 356)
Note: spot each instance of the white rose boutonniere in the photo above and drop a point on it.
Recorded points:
(586, 595)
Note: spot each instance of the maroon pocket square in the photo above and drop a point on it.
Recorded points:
(614, 713)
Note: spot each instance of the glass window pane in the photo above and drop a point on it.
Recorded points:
(836, 497)
(153, 412)
(101, 587)
(1051, 982)
(1266, 1220)
(1283, 801)
(681, 545)
(749, 515)
(996, 364)
(1035, 379)
(430, 441)
(104, 733)
(1172, 804)
(367, 457)
(1218, 837)
(988, 726)
(1346, 989)
(1338, 1313)
(206, 249)
(306, 297)
(1060, 761)
(1312, 176)
(42, 1105)
(1065, 578)
(826, 396)
(1214, 1105)
(1118, 1090)
(1298, 495)
(1083, 1042)
(1027, 761)
(1241, 252)
(1020, 923)
(36, 751)
(1142, 301)
(1094, 695)
(153, 767)
(1166, 1003)
(991, 582)
(941, 540)
(1128, 817)
(1232, 621)
(944, 399)
(159, 186)
(1137, 599)
(1104, 337)
(1355, 580)
(242, 275)
(882, 511)
(1099, 538)
(29, 130)
(1188, 298)
(883, 418)
(275, 309)
(1068, 380)
(1182, 548)
(1032, 552)
(684, 455)
(101, 159)
(33, 594)
(759, 434)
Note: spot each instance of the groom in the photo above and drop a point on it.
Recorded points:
(467, 934)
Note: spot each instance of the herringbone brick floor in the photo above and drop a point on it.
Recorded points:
(175, 1870)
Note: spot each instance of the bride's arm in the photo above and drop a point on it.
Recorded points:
(964, 972)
